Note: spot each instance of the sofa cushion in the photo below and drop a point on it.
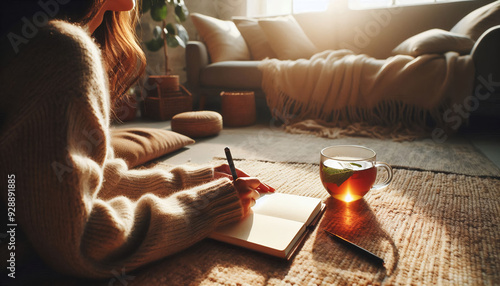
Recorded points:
(232, 74)
(223, 39)
(287, 38)
(434, 41)
(478, 21)
(255, 38)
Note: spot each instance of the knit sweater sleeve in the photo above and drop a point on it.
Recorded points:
(84, 212)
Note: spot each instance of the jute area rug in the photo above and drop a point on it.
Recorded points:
(431, 228)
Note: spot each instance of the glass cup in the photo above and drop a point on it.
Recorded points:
(348, 172)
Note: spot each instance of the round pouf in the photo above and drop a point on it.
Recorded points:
(197, 123)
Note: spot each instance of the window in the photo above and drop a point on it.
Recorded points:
(368, 4)
(302, 6)
(284, 7)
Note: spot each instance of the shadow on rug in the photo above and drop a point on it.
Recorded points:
(430, 228)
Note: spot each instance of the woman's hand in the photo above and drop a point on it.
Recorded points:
(248, 188)
(223, 171)
(247, 192)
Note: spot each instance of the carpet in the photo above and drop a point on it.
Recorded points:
(267, 141)
(429, 227)
(456, 155)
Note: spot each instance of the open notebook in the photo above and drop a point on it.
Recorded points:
(276, 226)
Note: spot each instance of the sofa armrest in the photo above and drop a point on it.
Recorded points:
(196, 59)
(486, 54)
(486, 57)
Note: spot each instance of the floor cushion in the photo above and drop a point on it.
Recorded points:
(138, 145)
(197, 123)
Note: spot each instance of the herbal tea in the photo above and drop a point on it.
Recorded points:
(347, 181)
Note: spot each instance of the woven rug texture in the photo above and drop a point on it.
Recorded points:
(430, 228)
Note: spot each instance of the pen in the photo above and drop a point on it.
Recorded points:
(357, 248)
(231, 163)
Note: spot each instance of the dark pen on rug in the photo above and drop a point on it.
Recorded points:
(357, 248)
(231, 163)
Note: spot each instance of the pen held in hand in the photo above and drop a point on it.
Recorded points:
(263, 188)
(356, 248)
(230, 163)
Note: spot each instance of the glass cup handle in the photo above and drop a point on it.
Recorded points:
(389, 176)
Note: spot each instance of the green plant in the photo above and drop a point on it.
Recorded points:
(168, 34)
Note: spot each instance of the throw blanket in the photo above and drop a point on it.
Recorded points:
(342, 88)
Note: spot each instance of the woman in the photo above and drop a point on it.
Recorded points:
(80, 208)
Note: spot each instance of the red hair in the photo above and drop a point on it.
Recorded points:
(123, 57)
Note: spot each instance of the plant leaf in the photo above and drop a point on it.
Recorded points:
(157, 32)
(172, 40)
(181, 42)
(146, 5)
(181, 12)
(182, 33)
(159, 13)
(169, 29)
(157, 2)
(154, 44)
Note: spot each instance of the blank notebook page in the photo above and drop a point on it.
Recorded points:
(275, 221)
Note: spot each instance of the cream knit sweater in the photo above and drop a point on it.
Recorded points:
(83, 211)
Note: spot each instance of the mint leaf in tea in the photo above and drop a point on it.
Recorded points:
(347, 181)
(336, 176)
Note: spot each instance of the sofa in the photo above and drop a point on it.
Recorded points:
(237, 70)
(208, 74)
(209, 79)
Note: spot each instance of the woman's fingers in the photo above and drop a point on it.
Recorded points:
(247, 187)
(247, 192)
(262, 188)
(249, 200)
(224, 168)
(246, 184)
(247, 206)
(265, 188)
